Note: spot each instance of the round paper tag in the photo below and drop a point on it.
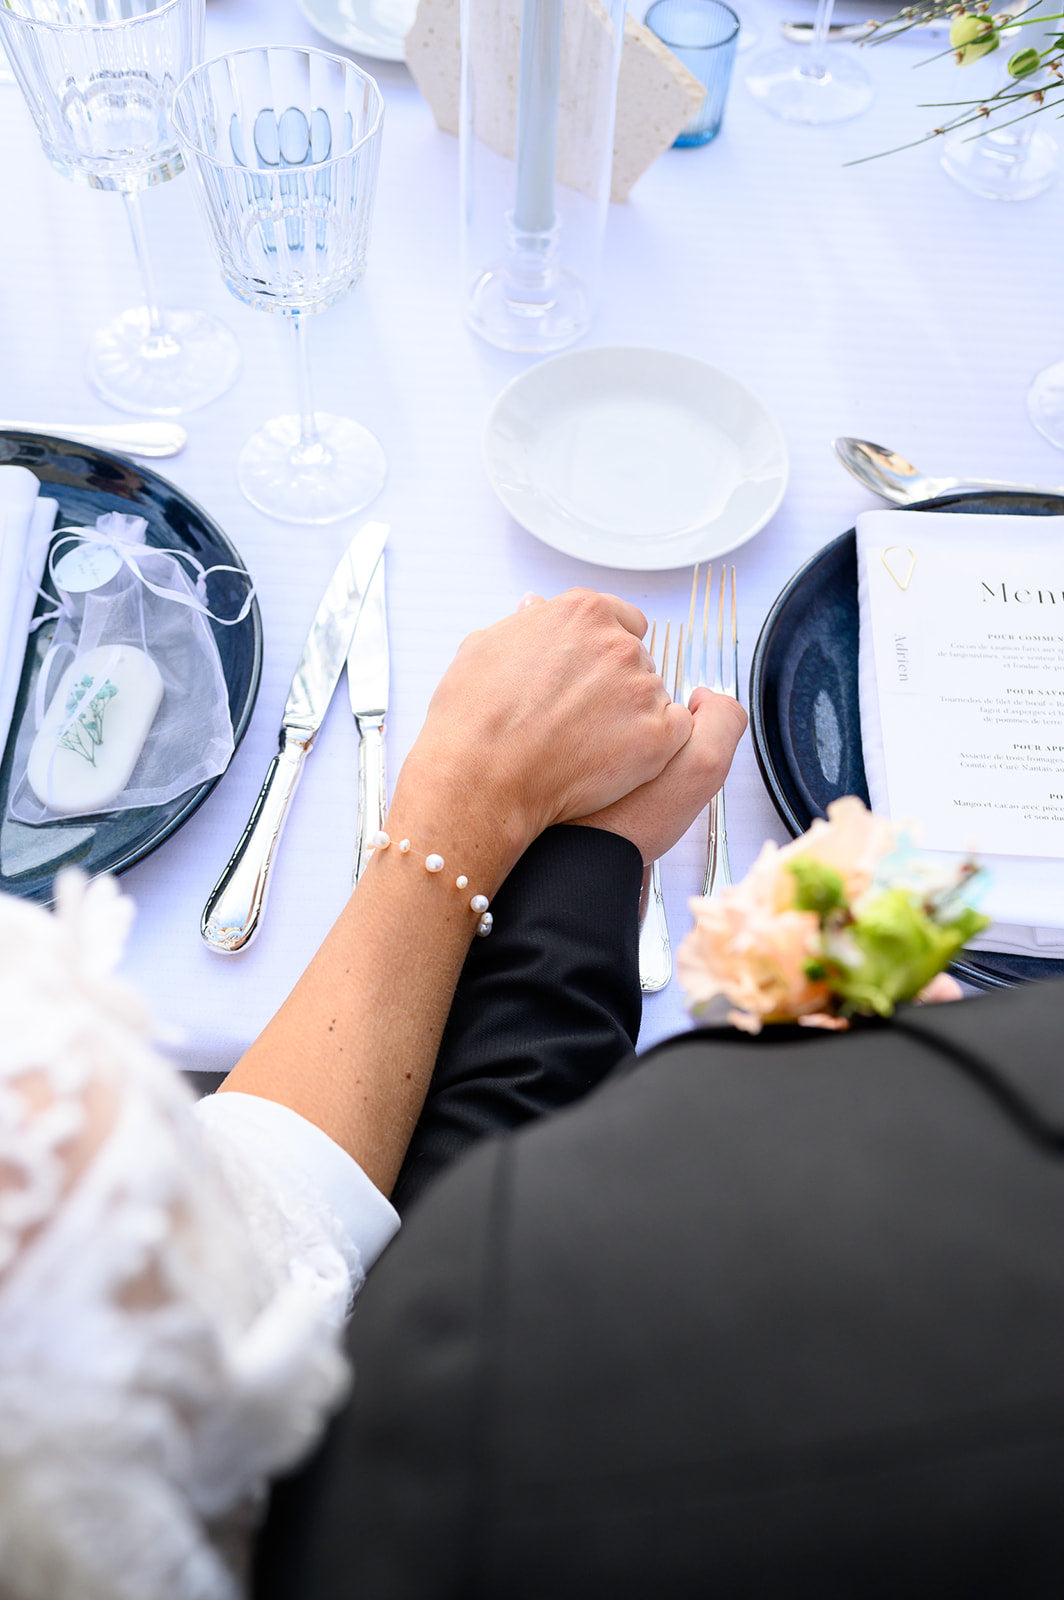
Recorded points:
(86, 566)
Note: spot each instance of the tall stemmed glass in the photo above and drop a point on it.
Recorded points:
(814, 82)
(98, 76)
(285, 143)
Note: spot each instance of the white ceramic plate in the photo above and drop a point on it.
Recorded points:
(376, 28)
(634, 458)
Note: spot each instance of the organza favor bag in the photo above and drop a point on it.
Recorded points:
(131, 705)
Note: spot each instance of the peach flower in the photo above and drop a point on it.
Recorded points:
(746, 959)
(852, 841)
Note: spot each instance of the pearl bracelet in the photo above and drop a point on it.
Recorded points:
(435, 863)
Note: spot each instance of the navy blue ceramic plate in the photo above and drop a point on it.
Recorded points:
(86, 483)
(804, 715)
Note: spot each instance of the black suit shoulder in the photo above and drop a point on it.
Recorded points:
(778, 1317)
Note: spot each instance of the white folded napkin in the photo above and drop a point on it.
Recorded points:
(26, 522)
(1025, 895)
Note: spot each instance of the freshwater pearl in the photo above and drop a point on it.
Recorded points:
(433, 863)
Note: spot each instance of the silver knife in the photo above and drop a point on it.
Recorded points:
(367, 686)
(231, 916)
(837, 32)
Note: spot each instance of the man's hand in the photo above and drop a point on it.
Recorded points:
(551, 714)
(655, 816)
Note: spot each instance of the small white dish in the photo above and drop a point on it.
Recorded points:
(634, 458)
(375, 28)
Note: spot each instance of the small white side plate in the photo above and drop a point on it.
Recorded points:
(375, 28)
(634, 458)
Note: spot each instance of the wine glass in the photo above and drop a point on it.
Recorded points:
(98, 76)
(812, 83)
(285, 143)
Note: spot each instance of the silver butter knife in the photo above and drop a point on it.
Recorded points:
(233, 911)
(367, 687)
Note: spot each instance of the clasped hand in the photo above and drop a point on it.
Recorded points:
(557, 714)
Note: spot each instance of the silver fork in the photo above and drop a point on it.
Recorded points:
(725, 681)
(696, 670)
(655, 950)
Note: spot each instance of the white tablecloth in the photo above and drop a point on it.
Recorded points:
(878, 300)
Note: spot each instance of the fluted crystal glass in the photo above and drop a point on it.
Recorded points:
(285, 143)
(98, 77)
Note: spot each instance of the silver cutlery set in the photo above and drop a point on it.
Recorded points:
(234, 909)
(350, 628)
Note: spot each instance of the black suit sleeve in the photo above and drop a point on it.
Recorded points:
(545, 1007)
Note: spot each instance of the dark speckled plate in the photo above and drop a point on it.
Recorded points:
(804, 715)
(86, 483)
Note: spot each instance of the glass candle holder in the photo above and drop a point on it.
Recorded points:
(536, 141)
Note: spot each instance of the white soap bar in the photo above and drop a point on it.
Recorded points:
(93, 731)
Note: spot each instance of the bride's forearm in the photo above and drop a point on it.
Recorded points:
(353, 1047)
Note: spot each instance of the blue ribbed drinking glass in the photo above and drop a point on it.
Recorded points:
(703, 35)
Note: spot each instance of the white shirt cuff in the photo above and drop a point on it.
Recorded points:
(250, 1121)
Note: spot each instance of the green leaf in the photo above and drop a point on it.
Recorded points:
(818, 887)
(901, 950)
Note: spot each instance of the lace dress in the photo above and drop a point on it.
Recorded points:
(169, 1323)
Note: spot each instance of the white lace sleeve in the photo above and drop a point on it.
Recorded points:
(277, 1160)
(156, 1362)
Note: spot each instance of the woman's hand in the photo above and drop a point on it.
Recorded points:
(552, 713)
(655, 816)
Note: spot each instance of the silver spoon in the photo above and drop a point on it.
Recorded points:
(151, 439)
(891, 476)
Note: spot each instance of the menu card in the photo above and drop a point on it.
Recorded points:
(962, 701)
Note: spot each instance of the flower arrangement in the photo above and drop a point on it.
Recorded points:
(846, 920)
(1034, 76)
